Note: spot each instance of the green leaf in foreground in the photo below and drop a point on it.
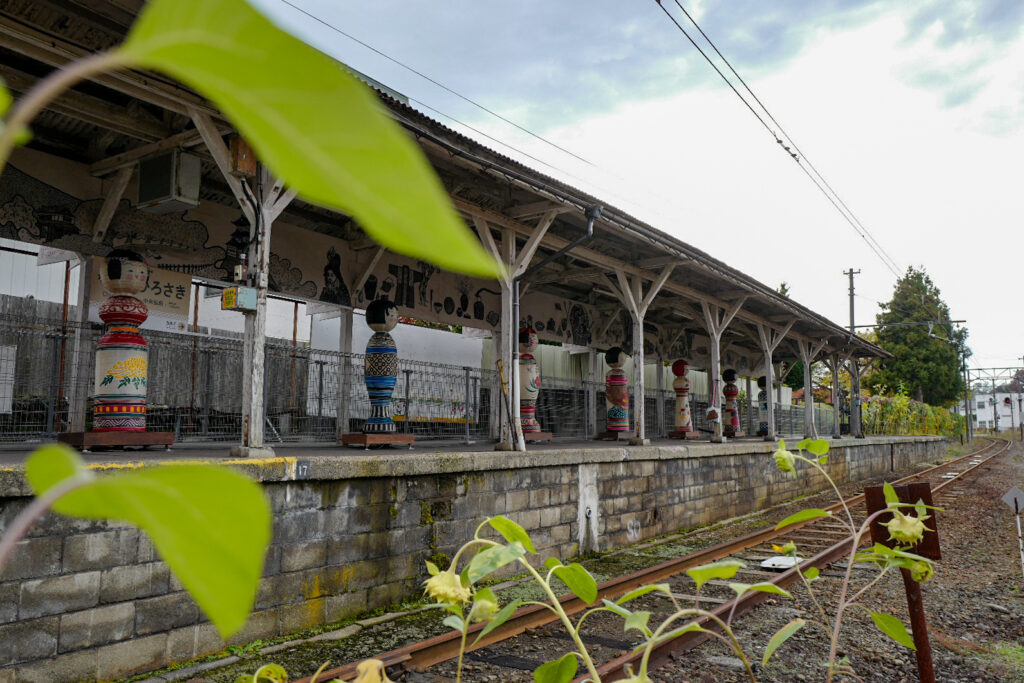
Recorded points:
(781, 636)
(499, 619)
(579, 581)
(321, 131)
(210, 525)
(637, 620)
(894, 628)
(491, 559)
(644, 590)
(814, 446)
(723, 569)
(803, 516)
(890, 493)
(5, 100)
(512, 532)
(561, 670)
(454, 622)
(763, 587)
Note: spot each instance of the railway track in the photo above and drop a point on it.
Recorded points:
(821, 542)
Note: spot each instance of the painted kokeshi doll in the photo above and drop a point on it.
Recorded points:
(381, 369)
(616, 391)
(681, 384)
(732, 414)
(529, 380)
(122, 355)
(762, 407)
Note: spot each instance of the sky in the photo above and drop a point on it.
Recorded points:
(913, 112)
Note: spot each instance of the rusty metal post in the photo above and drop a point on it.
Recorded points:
(918, 628)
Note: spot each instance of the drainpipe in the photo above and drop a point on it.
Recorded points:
(592, 214)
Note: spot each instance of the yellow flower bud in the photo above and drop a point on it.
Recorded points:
(371, 671)
(446, 587)
(784, 460)
(904, 528)
(921, 571)
(483, 609)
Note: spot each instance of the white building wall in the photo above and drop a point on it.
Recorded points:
(1009, 413)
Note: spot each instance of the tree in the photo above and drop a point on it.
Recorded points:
(926, 357)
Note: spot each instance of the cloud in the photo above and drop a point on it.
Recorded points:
(553, 62)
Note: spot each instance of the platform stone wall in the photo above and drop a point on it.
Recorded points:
(91, 600)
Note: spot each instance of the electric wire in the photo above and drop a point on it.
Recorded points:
(821, 185)
(802, 157)
(437, 83)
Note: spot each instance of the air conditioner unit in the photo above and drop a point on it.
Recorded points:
(169, 182)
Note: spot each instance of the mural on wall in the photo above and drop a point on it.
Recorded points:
(46, 200)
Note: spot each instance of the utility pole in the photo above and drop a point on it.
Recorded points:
(856, 426)
(968, 425)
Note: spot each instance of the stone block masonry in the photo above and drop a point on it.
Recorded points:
(85, 600)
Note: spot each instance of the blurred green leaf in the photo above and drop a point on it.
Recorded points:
(552, 562)
(5, 99)
(320, 130)
(618, 609)
(637, 620)
(579, 581)
(803, 516)
(499, 619)
(432, 568)
(814, 446)
(763, 587)
(644, 590)
(674, 633)
(780, 637)
(52, 464)
(210, 525)
(890, 493)
(454, 622)
(561, 670)
(723, 569)
(894, 628)
(493, 558)
(512, 532)
(812, 573)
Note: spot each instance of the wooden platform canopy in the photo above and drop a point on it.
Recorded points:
(629, 285)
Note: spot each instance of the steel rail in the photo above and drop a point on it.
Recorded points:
(420, 655)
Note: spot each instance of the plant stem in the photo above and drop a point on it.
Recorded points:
(462, 650)
(840, 606)
(48, 89)
(584, 654)
(36, 509)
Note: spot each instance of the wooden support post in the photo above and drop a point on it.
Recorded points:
(271, 198)
(716, 321)
(751, 420)
(659, 364)
(808, 352)
(630, 292)
(594, 376)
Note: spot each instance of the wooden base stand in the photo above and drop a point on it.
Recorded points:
(615, 436)
(87, 440)
(684, 435)
(367, 440)
(736, 434)
(530, 437)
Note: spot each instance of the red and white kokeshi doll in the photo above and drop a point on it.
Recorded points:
(122, 355)
(529, 381)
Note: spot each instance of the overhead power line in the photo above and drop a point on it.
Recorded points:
(781, 137)
(437, 83)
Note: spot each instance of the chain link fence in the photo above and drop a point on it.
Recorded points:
(196, 387)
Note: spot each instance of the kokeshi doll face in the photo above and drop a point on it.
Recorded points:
(125, 273)
(382, 315)
(615, 357)
(527, 340)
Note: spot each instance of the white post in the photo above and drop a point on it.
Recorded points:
(343, 411)
(497, 409)
(639, 400)
(836, 426)
(593, 375)
(81, 381)
(714, 385)
(810, 430)
(659, 364)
